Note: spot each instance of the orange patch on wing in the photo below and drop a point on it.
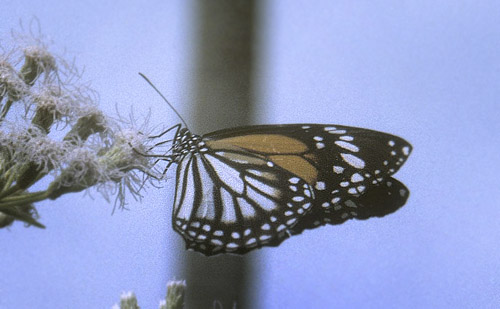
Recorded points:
(297, 166)
(263, 143)
(311, 157)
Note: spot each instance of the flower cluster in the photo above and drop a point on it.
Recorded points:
(176, 289)
(51, 129)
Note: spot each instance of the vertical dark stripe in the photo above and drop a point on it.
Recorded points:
(224, 68)
(179, 189)
(198, 189)
(184, 181)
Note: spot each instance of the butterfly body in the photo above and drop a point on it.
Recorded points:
(243, 188)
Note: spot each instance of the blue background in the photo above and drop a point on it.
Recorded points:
(425, 70)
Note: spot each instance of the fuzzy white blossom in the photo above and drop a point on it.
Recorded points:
(176, 290)
(11, 83)
(29, 144)
(50, 125)
(128, 301)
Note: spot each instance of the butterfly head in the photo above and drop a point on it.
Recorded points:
(186, 142)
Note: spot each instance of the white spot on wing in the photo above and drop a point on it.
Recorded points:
(307, 192)
(338, 169)
(356, 177)
(336, 131)
(320, 185)
(216, 242)
(347, 138)
(347, 146)
(265, 237)
(353, 161)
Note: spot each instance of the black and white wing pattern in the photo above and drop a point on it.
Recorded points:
(243, 188)
(378, 201)
(234, 202)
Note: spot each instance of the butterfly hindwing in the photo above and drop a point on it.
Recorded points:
(232, 202)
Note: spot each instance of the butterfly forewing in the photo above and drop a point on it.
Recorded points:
(249, 187)
(338, 161)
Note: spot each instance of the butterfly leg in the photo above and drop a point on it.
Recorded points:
(177, 127)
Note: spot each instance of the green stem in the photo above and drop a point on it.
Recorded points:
(9, 191)
(23, 199)
(10, 175)
(5, 109)
(22, 213)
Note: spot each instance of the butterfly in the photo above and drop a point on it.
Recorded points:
(244, 188)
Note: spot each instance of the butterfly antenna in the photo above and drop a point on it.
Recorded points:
(165, 99)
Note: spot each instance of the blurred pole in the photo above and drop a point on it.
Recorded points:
(223, 93)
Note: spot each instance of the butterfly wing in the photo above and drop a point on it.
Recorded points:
(338, 161)
(234, 202)
(322, 167)
(377, 201)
